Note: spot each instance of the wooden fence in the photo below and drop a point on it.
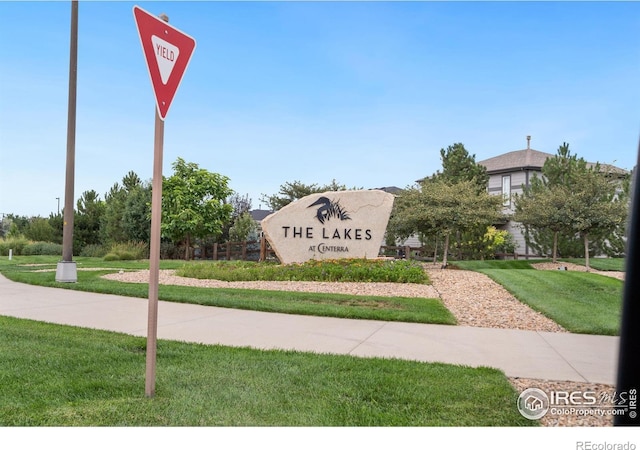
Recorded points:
(261, 251)
(245, 250)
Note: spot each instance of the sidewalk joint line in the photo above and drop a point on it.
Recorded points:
(382, 325)
(563, 358)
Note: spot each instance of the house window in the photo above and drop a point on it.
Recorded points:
(506, 190)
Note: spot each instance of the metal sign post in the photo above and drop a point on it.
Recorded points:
(154, 257)
(167, 51)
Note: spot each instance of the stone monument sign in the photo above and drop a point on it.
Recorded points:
(330, 225)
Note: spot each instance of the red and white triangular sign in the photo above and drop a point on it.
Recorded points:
(167, 51)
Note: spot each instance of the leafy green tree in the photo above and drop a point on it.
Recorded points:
(242, 228)
(5, 224)
(56, 221)
(594, 208)
(442, 208)
(193, 203)
(17, 225)
(543, 207)
(14, 231)
(572, 199)
(39, 230)
(241, 204)
(613, 242)
(291, 191)
(458, 166)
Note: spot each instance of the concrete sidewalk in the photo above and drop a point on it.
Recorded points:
(525, 354)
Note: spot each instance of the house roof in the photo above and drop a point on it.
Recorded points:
(518, 159)
(608, 168)
(259, 214)
(531, 159)
(390, 189)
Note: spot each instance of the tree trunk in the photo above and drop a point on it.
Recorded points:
(435, 252)
(555, 246)
(445, 251)
(586, 251)
(188, 246)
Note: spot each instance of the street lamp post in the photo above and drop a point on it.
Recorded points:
(66, 271)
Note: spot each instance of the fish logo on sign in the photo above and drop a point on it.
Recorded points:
(167, 51)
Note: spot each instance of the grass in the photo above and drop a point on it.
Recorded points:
(581, 302)
(56, 375)
(417, 310)
(604, 264)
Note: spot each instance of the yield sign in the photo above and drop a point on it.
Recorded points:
(167, 51)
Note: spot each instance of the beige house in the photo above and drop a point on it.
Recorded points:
(509, 172)
(507, 175)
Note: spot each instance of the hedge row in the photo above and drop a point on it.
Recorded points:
(22, 246)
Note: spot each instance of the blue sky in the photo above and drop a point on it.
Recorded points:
(366, 93)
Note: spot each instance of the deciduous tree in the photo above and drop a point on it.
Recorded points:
(543, 207)
(242, 228)
(440, 207)
(193, 203)
(291, 191)
(573, 199)
(595, 208)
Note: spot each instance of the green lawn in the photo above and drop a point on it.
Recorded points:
(604, 264)
(418, 310)
(55, 375)
(581, 302)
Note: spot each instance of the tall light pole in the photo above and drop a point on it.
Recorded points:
(58, 198)
(66, 270)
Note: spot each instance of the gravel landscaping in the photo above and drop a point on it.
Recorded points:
(577, 268)
(477, 301)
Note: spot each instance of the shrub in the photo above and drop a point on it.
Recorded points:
(42, 248)
(361, 270)
(120, 256)
(111, 257)
(93, 251)
(127, 251)
(127, 256)
(16, 243)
